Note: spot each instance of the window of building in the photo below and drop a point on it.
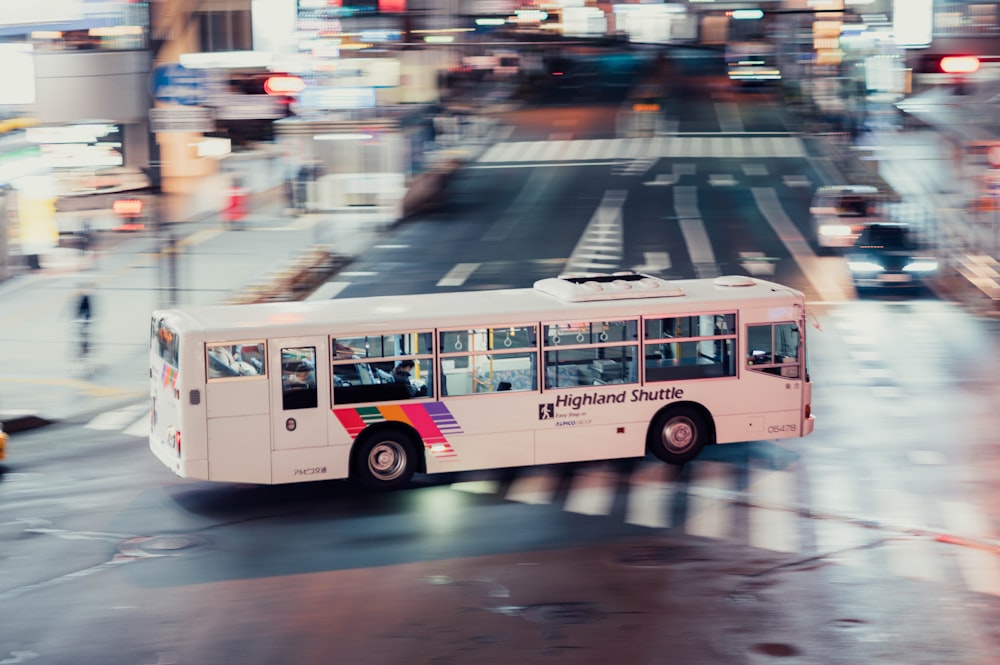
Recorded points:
(226, 30)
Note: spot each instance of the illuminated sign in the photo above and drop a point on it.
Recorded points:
(17, 76)
(913, 22)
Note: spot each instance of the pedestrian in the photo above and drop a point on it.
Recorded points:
(84, 317)
(84, 309)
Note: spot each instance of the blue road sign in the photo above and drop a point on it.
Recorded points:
(175, 83)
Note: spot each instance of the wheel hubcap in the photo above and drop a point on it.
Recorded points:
(678, 436)
(386, 461)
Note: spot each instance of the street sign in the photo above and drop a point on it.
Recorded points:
(174, 83)
(197, 119)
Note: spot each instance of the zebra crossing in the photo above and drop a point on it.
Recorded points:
(909, 534)
(768, 514)
(132, 420)
(640, 150)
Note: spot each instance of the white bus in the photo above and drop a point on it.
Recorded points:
(576, 368)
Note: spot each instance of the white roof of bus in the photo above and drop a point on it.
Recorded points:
(458, 309)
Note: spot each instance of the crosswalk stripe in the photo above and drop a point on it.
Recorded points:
(574, 150)
(117, 419)
(592, 492)
(840, 541)
(533, 150)
(710, 146)
(908, 557)
(593, 149)
(477, 487)
(651, 496)
(139, 428)
(535, 488)
(710, 516)
(979, 568)
(772, 522)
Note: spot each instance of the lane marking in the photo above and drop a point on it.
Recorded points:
(693, 229)
(458, 274)
(824, 277)
(328, 290)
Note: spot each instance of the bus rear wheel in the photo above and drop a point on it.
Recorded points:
(678, 435)
(385, 460)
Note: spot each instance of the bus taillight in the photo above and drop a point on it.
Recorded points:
(177, 442)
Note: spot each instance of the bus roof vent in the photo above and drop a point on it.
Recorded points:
(734, 280)
(616, 286)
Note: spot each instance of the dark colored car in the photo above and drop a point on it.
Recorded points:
(886, 256)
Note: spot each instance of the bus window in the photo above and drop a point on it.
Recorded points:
(487, 360)
(591, 353)
(690, 347)
(774, 349)
(164, 342)
(374, 368)
(229, 359)
(298, 378)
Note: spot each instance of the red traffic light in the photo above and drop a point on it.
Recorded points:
(283, 85)
(959, 64)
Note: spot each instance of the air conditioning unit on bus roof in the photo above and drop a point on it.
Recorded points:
(617, 286)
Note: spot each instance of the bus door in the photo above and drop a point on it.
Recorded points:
(300, 392)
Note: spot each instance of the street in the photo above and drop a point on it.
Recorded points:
(873, 540)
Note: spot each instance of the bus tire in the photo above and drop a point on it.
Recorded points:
(678, 434)
(385, 459)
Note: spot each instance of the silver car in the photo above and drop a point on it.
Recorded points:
(839, 213)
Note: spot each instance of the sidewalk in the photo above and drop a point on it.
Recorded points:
(42, 379)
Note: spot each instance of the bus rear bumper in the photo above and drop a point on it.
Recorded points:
(194, 469)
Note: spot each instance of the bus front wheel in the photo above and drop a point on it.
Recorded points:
(678, 435)
(385, 460)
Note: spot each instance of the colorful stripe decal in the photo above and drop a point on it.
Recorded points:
(432, 421)
(168, 376)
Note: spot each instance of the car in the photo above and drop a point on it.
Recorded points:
(3, 442)
(838, 213)
(886, 256)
